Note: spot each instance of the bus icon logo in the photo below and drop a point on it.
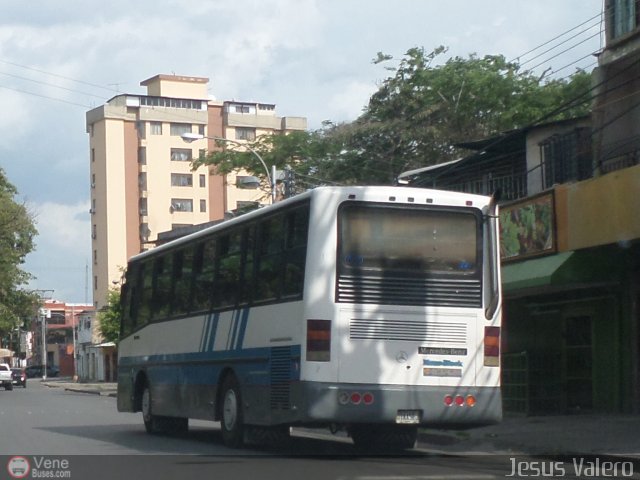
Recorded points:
(18, 467)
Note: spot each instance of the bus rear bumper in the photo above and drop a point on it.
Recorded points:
(426, 405)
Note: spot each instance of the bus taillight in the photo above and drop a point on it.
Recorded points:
(492, 346)
(318, 340)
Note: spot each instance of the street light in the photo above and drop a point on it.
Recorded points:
(271, 177)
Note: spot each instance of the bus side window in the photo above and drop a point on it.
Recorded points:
(126, 304)
(248, 265)
(297, 230)
(204, 269)
(162, 284)
(182, 274)
(228, 269)
(146, 284)
(269, 268)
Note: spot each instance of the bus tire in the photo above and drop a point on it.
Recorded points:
(383, 438)
(231, 415)
(152, 423)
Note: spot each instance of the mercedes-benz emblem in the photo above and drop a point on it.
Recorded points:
(402, 357)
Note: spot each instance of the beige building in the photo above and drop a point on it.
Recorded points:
(141, 178)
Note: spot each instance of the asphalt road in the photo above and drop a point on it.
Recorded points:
(77, 435)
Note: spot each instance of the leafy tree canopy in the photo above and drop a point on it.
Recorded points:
(416, 118)
(17, 233)
(110, 318)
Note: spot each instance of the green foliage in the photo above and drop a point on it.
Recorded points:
(110, 318)
(416, 118)
(17, 232)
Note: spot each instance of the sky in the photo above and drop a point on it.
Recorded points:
(312, 58)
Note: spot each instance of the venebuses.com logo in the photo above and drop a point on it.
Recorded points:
(18, 467)
(38, 467)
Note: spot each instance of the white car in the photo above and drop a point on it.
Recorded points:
(5, 376)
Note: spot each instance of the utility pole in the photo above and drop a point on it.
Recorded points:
(43, 314)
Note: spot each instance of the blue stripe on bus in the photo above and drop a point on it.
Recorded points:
(243, 328)
(213, 328)
(202, 368)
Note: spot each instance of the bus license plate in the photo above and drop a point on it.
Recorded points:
(408, 417)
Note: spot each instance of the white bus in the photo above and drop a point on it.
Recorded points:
(376, 309)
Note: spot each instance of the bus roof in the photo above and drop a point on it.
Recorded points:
(358, 191)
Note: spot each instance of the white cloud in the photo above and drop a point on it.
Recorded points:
(349, 102)
(63, 228)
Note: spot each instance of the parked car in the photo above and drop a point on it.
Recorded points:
(36, 371)
(19, 377)
(5, 376)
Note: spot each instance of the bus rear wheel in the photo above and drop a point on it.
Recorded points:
(383, 438)
(232, 417)
(156, 424)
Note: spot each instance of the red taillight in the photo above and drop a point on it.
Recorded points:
(318, 340)
(448, 400)
(356, 398)
(492, 346)
(367, 398)
(459, 400)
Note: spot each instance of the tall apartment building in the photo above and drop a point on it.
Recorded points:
(140, 166)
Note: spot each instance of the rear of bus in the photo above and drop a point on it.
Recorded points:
(402, 317)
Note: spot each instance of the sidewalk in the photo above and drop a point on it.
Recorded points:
(583, 434)
(101, 388)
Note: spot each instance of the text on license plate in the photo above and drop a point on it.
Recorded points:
(408, 417)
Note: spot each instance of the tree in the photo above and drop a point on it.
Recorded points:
(416, 118)
(17, 233)
(110, 318)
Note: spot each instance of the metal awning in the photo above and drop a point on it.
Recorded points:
(533, 273)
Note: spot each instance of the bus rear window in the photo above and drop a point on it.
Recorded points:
(412, 240)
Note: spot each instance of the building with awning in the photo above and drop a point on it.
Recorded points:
(570, 249)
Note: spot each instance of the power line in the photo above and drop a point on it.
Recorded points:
(44, 72)
(556, 37)
(563, 42)
(45, 96)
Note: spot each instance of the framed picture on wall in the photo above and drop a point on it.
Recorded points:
(527, 228)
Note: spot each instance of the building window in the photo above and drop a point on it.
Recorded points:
(172, 103)
(201, 130)
(141, 128)
(242, 109)
(203, 206)
(181, 205)
(95, 257)
(94, 231)
(155, 128)
(142, 155)
(181, 180)
(142, 206)
(181, 155)
(93, 180)
(267, 107)
(93, 154)
(142, 180)
(179, 129)
(145, 231)
(624, 17)
(245, 133)
(203, 181)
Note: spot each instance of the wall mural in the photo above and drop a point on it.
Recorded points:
(527, 228)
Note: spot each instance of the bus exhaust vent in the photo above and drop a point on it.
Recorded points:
(409, 291)
(389, 329)
(280, 374)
